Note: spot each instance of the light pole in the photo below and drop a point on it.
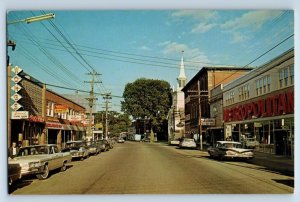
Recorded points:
(13, 45)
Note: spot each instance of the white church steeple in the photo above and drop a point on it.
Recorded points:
(181, 78)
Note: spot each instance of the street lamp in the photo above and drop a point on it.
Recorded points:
(34, 19)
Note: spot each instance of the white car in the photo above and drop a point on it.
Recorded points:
(40, 159)
(187, 143)
(230, 150)
(175, 142)
(121, 140)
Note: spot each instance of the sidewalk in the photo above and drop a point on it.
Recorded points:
(274, 162)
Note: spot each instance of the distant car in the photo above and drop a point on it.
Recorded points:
(104, 145)
(146, 139)
(94, 148)
(229, 150)
(40, 159)
(251, 143)
(175, 142)
(78, 149)
(121, 140)
(14, 173)
(187, 143)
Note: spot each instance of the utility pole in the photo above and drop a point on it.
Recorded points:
(199, 117)
(106, 97)
(91, 99)
(199, 95)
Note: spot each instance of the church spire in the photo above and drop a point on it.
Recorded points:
(181, 78)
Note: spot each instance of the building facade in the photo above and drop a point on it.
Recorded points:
(197, 96)
(42, 116)
(176, 112)
(261, 105)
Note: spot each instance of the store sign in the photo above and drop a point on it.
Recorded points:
(86, 122)
(38, 119)
(19, 115)
(16, 88)
(274, 105)
(53, 125)
(16, 97)
(208, 122)
(16, 106)
(16, 79)
(16, 70)
(60, 109)
(74, 118)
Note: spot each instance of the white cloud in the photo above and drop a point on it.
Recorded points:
(192, 54)
(196, 14)
(238, 37)
(203, 27)
(252, 19)
(146, 48)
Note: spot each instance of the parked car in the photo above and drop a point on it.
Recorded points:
(146, 139)
(121, 140)
(229, 150)
(40, 159)
(187, 143)
(251, 143)
(104, 145)
(77, 149)
(175, 141)
(94, 148)
(14, 173)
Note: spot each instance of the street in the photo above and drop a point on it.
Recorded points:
(156, 168)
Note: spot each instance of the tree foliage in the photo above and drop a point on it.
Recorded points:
(117, 122)
(147, 97)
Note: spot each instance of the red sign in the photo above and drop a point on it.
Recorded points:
(38, 119)
(53, 125)
(274, 105)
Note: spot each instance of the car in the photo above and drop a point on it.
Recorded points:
(229, 150)
(14, 173)
(146, 139)
(187, 143)
(104, 145)
(94, 148)
(175, 141)
(78, 149)
(121, 140)
(40, 159)
(251, 143)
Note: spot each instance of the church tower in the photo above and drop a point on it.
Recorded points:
(181, 80)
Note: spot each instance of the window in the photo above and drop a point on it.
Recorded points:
(291, 68)
(281, 75)
(260, 86)
(269, 83)
(50, 109)
(257, 87)
(244, 92)
(286, 76)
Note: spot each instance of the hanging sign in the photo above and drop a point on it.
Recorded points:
(20, 115)
(74, 118)
(16, 106)
(16, 97)
(16, 88)
(16, 79)
(16, 70)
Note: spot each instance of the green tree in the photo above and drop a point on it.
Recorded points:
(148, 97)
(117, 122)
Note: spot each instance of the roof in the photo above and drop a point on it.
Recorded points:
(214, 68)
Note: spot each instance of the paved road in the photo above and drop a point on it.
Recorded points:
(145, 168)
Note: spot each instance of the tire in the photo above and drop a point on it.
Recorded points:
(64, 167)
(81, 159)
(44, 175)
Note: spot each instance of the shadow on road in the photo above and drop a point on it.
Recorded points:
(287, 182)
(19, 184)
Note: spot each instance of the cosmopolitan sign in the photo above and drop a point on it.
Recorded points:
(274, 105)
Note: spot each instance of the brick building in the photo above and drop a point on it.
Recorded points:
(206, 79)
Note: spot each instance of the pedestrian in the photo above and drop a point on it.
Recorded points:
(13, 150)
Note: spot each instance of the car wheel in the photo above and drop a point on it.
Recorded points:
(45, 174)
(221, 158)
(10, 181)
(64, 167)
(81, 159)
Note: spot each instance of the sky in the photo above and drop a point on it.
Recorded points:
(124, 45)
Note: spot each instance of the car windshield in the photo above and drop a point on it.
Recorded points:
(33, 151)
(232, 145)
